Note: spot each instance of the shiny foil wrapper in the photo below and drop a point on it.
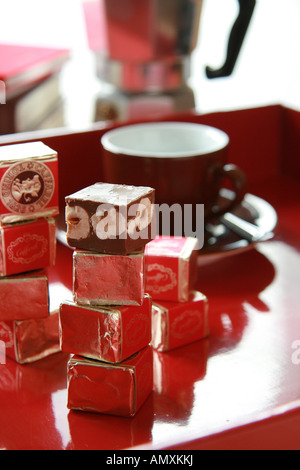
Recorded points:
(108, 279)
(114, 389)
(105, 334)
(171, 268)
(31, 340)
(176, 324)
(24, 297)
(28, 182)
(27, 246)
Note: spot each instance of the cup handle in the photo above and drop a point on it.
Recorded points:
(239, 182)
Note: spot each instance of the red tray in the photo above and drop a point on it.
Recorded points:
(239, 389)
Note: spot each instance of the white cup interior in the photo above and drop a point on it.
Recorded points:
(165, 140)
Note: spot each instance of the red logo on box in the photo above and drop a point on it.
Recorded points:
(160, 278)
(27, 187)
(187, 324)
(27, 249)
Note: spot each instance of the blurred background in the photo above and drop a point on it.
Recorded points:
(267, 70)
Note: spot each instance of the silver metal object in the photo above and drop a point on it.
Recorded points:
(150, 42)
(264, 224)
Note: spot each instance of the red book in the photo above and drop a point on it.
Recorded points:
(23, 66)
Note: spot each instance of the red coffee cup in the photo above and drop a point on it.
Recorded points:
(185, 162)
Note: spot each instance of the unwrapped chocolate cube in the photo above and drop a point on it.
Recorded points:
(114, 389)
(101, 279)
(171, 267)
(27, 246)
(175, 324)
(31, 340)
(28, 182)
(110, 218)
(24, 297)
(105, 334)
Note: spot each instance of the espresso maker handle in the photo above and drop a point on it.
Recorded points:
(236, 39)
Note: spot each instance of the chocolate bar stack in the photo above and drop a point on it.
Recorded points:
(179, 313)
(28, 205)
(107, 326)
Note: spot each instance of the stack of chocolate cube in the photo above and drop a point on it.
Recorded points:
(107, 326)
(179, 313)
(28, 205)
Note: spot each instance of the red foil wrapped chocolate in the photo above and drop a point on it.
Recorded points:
(24, 297)
(171, 267)
(105, 334)
(115, 389)
(28, 182)
(31, 340)
(27, 246)
(108, 279)
(175, 324)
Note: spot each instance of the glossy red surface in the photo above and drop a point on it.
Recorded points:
(239, 389)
